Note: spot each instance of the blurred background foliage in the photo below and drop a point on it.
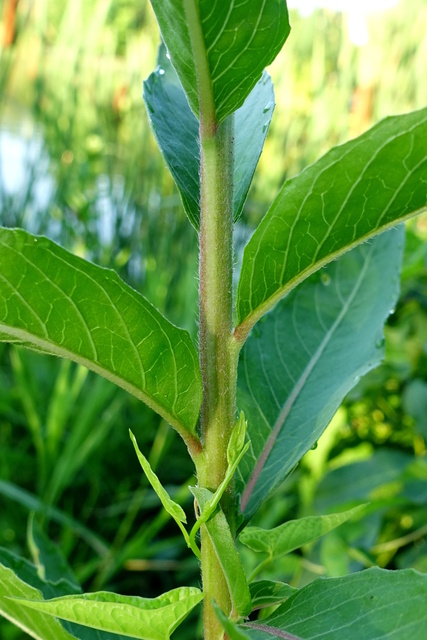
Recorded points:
(78, 163)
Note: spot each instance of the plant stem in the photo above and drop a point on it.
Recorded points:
(217, 355)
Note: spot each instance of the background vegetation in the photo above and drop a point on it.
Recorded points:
(79, 164)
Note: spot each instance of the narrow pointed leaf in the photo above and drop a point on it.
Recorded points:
(303, 357)
(375, 603)
(228, 556)
(172, 508)
(293, 534)
(177, 133)
(237, 439)
(54, 301)
(237, 41)
(354, 192)
(142, 618)
(36, 624)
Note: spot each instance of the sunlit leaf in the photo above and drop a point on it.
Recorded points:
(56, 302)
(142, 618)
(231, 42)
(352, 193)
(38, 625)
(31, 585)
(303, 357)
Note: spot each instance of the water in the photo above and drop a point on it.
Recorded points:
(26, 186)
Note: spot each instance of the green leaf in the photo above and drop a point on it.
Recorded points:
(172, 508)
(177, 133)
(37, 625)
(371, 604)
(267, 593)
(293, 534)
(302, 359)
(176, 129)
(354, 192)
(228, 45)
(228, 556)
(142, 618)
(56, 302)
(28, 573)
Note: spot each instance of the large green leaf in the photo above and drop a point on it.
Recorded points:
(352, 193)
(293, 534)
(228, 556)
(143, 618)
(228, 43)
(303, 357)
(22, 579)
(177, 133)
(29, 573)
(37, 625)
(373, 604)
(56, 302)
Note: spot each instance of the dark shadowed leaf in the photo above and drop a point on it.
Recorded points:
(371, 604)
(303, 357)
(177, 133)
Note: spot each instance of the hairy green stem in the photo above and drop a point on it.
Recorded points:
(216, 343)
(217, 355)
